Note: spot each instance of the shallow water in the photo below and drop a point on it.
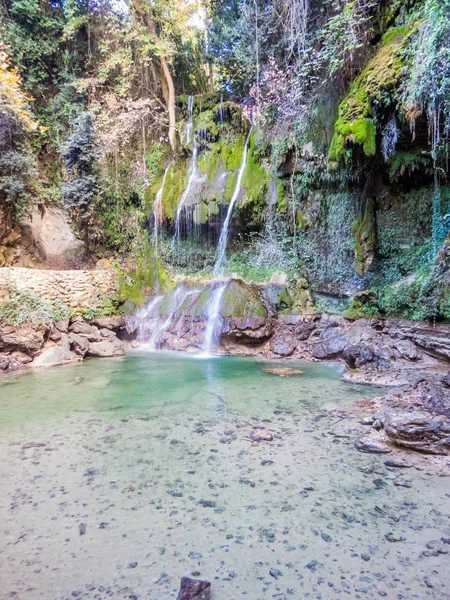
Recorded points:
(152, 453)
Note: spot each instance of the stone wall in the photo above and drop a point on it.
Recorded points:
(76, 289)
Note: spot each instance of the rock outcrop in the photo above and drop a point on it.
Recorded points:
(44, 345)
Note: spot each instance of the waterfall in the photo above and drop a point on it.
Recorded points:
(192, 178)
(142, 320)
(212, 332)
(190, 121)
(176, 301)
(223, 240)
(157, 208)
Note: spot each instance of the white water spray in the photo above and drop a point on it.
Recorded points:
(212, 332)
(190, 121)
(177, 300)
(223, 240)
(192, 179)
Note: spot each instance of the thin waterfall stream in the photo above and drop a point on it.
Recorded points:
(223, 239)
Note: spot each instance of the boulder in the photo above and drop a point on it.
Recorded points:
(106, 348)
(418, 431)
(26, 338)
(79, 344)
(303, 330)
(21, 357)
(194, 589)
(56, 354)
(331, 344)
(242, 300)
(358, 355)
(5, 362)
(86, 330)
(248, 330)
(283, 346)
(406, 349)
(371, 445)
(112, 323)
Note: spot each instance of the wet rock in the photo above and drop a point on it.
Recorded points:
(418, 430)
(358, 355)
(398, 464)
(206, 503)
(371, 445)
(438, 546)
(275, 573)
(283, 346)
(394, 538)
(106, 348)
(194, 589)
(258, 435)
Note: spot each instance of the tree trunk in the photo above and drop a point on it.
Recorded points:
(170, 103)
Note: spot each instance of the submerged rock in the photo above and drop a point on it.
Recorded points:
(371, 445)
(194, 589)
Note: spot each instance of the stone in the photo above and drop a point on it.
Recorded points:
(302, 331)
(22, 357)
(63, 326)
(394, 538)
(371, 445)
(106, 348)
(194, 589)
(358, 355)
(86, 330)
(112, 323)
(54, 355)
(331, 344)
(418, 431)
(406, 349)
(55, 334)
(79, 344)
(26, 338)
(279, 278)
(283, 346)
(398, 464)
(4, 362)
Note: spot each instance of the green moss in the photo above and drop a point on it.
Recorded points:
(201, 213)
(229, 187)
(255, 182)
(376, 86)
(176, 182)
(242, 300)
(301, 220)
(134, 285)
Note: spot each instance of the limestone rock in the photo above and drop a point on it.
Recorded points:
(283, 346)
(106, 348)
(79, 344)
(194, 589)
(56, 354)
(303, 330)
(26, 338)
(418, 430)
(331, 344)
(406, 349)
(248, 330)
(86, 330)
(113, 323)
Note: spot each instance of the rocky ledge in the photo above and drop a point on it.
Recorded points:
(416, 417)
(43, 345)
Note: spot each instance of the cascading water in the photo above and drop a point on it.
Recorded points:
(192, 179)
(176, 301)
(189, 122)
(214, 306)
(223, 240)
(144, 318)
(157, 209)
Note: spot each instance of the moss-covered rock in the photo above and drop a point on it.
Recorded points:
(242, 300)
(302, 302)
(377, 86)
(363, 231)
(365, 304)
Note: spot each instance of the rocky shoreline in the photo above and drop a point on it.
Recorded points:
(411, 359)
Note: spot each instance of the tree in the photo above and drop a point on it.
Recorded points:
(80, 154)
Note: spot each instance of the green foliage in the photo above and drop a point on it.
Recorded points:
(24, 306)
